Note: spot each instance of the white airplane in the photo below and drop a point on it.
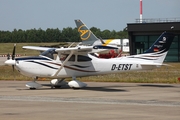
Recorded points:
(80, 61)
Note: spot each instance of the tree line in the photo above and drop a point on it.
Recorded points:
(55, 35)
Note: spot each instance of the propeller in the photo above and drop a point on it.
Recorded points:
(11, 61)
(13, 55)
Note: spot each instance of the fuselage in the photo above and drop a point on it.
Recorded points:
(42, 66)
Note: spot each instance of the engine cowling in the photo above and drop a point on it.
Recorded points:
(76, 84)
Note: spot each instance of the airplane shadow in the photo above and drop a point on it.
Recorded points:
(153, 85)
(47, 87)
(104, 89)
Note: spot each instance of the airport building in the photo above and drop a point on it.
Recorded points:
(142, 35)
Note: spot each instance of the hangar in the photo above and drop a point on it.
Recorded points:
(142, 35)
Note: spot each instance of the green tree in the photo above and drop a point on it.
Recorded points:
(55, 35)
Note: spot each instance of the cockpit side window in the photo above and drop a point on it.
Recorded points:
(80, 58)
(49, 53)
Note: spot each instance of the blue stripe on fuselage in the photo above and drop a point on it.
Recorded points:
(32, 58)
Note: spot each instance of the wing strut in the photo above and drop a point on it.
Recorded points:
(63, 63)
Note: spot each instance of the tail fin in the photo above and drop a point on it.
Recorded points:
(162, 44)
(156, 54)
(87, 37)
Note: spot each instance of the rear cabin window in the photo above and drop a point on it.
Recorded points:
(80, 58)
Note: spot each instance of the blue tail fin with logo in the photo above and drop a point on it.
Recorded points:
(162, 44)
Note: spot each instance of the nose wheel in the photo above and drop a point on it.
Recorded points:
(33, 85)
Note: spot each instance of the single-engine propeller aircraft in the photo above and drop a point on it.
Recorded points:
(80, 61)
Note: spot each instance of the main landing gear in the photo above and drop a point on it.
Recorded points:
(57, 83)
(76, 84)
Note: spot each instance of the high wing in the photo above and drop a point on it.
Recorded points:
(88, 49)
(76, 49)
(36, 48)
(87, 37)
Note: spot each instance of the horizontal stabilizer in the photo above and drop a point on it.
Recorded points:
(151, 64)
(155, 64)
(104, 47)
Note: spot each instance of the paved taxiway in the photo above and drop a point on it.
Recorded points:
(99, 101)
(2, 60)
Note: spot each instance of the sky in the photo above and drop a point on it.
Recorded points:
(102, 14)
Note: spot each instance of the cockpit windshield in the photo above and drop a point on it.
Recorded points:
(49, 53)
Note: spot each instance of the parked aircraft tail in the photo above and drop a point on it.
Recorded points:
(162, 44)
(158, 51)
(87, 37)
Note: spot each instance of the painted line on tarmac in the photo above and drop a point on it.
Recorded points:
(91, 100)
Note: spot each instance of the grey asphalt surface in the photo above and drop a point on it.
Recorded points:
(2, 60)
(98, 101)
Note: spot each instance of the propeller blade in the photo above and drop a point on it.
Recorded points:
(13, 57)
(13, 53)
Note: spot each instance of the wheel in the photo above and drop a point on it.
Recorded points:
(56, 87)
(74, 88)
(32, 88)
